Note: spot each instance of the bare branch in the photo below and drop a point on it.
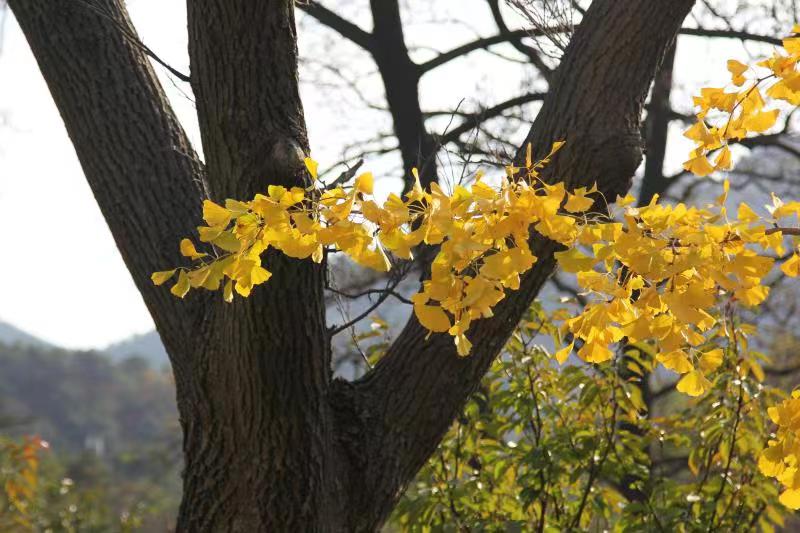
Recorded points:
(344, 27)
(477, 118)
(532, 54)
(731, 34)
(478, 44)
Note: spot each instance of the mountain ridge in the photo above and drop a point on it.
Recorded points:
(11, 335)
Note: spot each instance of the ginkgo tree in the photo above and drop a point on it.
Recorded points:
(271, 440)
(654, 273)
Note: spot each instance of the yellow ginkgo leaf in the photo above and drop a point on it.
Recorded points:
(197, 278)
(737, 70)
(699, 166)
(700, 134)
(791, 267)
(416, 193)
(573, 260)
(694, 384)
(790, 498)
(723, 160)
(595, 352)
(626, 200)
(722, 198)
(577, 203)
(792, 45)
(675, 360)
(563, 354)
(365, 183)
(770, 461)
(215, 215)
(432, 317)
(711, 360)
(161, 277)
(188, 250)
(182, 286)
(227, 241)
(236, 207)
(318, 254)
(463, 346)
(312, 167)
(761, 121)
(227, 293)
(208, 234)
(746, 213)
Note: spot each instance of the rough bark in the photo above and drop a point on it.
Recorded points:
(257, 428)
(271, 444)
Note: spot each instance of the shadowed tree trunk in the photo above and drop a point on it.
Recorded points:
(271, 442)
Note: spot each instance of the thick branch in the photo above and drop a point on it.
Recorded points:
(771, 139)
(135, 155)
(595, 103)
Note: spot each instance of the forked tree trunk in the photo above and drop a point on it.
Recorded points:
(271, 442)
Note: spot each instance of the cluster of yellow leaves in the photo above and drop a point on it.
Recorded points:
(781, 458)
(481, 232)
(654, 272)
(743, 113)
(657, 275)
(743, 109)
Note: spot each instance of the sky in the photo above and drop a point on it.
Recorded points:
(63, 279)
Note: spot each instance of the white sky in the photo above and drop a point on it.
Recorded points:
(62, 276)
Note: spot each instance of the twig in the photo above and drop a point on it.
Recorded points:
(371, 291)
(135, 40)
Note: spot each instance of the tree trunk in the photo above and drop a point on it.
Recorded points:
(271, 442)
(258, 431)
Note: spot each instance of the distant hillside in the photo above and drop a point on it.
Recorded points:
(147, 345)
(11, 335)
(112, 428)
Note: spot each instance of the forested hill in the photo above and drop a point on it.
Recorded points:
(112, 426)
(148, 345)
(71, 398)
